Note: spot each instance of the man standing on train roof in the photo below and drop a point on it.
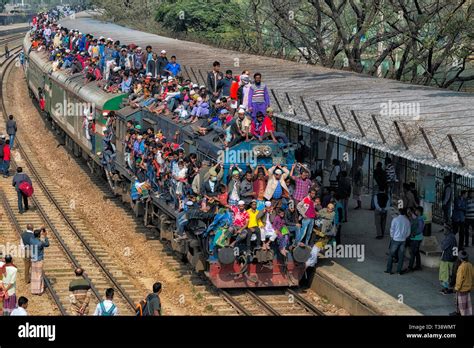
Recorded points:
(244, 91)
(162, 63)
(259, 99)
(18, 179)
(173, 68)
(226, 83)
(213, 81)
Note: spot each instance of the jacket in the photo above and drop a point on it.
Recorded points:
(211, 81)
(162, 62)
(37, 248)
(380, 177)
(11, 127)
(447, 246)
(18, 178)
(272, 182)
(459, 211)
(464, 277)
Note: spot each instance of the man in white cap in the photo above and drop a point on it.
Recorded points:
(240, 128)
(267, 232)
(162, 62)
(233, 187)
(243, 91)
(276, 187)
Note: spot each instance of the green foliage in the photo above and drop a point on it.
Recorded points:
(210, 18)
(2, 4)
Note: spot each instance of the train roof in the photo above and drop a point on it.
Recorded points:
(76, 84)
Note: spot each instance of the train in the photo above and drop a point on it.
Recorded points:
(63, 94)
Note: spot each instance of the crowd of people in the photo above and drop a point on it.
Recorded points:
(255, 209)
(274, 208)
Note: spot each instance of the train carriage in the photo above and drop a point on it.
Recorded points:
(67, 98)
(61, 91)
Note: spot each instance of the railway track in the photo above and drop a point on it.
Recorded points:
(275, 302)
(8, 39)
(72, 244)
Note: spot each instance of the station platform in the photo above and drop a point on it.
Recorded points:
(418, 290)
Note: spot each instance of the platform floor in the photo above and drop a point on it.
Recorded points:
(420, 289)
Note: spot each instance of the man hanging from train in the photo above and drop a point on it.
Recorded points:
(259, 99)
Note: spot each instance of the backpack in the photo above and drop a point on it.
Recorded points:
(26, 188)
(108, 313)
(141, 309)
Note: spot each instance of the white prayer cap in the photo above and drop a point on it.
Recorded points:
(268, 204)
(278, 171)
(241, 203)
(163, 52)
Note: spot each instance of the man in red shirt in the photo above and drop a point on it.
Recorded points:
(6, 158)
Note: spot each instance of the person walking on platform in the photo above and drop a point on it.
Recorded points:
(416, 237)
(18, 179)
(459, 218)
(358, 180)
(447, 199)
(80, 294)
(463, 287)
(448, 247)
(7, 51)
(38, 243)
(399, 232)
(391, 177)
(469, 218)
(11, 130)
(344, 189)
(381, 204)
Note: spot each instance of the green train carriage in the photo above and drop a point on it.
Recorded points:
(66, 99)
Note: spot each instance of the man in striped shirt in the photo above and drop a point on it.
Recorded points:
(259, 99)
(302, 183)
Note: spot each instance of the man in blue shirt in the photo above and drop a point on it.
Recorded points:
(173, 68)
(38, 243)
